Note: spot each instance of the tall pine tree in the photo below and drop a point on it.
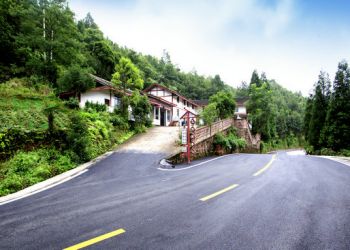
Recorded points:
(337, 129)
(319, 110)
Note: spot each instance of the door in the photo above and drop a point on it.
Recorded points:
(162, 117)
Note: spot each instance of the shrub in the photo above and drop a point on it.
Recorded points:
(210, 114)
(326, 151)
(78, 139)
(95, 107)
(119, 121)
(72, 103)
(230, 142)
(10, 184)
(220, 139)
(141, 109)
(344, 152)
(28, 168)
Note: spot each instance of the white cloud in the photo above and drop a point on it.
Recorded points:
(227, 37)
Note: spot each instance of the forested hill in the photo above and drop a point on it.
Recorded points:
(41, 40)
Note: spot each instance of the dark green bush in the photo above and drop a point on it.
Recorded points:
(327, 151)
(119, 121)
(78, 139)
(344, 152)
(91, 107)
(72, 103)
(229, 142)
(28, 168)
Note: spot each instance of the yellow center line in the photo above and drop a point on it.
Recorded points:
(266, 166)
(218, 192)
(96, 239)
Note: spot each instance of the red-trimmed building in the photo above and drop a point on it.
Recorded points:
(167, 105)
(173, 105)
(104, 93)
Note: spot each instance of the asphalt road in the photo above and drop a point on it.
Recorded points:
(239, 201)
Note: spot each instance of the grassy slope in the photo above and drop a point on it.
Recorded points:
(23, 108)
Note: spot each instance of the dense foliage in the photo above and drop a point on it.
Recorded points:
(41, 136)
(327, 118)
(229, 142)
(42, 39)
(141, 109)
(45, 51)
(274, 112)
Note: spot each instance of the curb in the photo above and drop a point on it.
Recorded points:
(49, 183)
(334, 158)
(164, 164)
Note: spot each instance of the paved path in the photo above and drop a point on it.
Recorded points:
(240, 201)
(156, 140)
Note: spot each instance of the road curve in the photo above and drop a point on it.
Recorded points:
(125, 202)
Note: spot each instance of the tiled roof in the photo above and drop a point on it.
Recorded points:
(171, 91)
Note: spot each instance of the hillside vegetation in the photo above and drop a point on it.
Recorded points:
(45, 51)
(42, 136)
(327, 117)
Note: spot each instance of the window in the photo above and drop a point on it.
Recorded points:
(116, 101)
(168, 115)
(178, 99)
(156, 113)
(178, 113)
(107, 102)
(192, 106)
(185, 103)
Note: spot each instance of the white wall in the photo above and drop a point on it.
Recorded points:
(97, 97)
(241, 110)
(177, 111)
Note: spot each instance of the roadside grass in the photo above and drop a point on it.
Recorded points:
(28, 168)
(30, 153)
(290, 142)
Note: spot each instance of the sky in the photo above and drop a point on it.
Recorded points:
(289, 40)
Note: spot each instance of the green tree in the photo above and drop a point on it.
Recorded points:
(262, 111)
(225, 103)
(255, 79)
(127, 75)
(319, 110)
(307, 116)
(141, 110)
(209, 113)
(75, 79)
(337, 129)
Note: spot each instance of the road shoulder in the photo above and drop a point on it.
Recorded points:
(340, 159)
(49, 183)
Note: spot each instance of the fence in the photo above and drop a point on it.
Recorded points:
(206, 132)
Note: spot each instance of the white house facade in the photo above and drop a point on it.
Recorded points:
(168, 106)
(176, 105)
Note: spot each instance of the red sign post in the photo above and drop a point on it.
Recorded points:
(190, 128)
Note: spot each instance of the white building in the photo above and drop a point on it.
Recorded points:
(104, 93)
(167, 105)
(173, 107)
